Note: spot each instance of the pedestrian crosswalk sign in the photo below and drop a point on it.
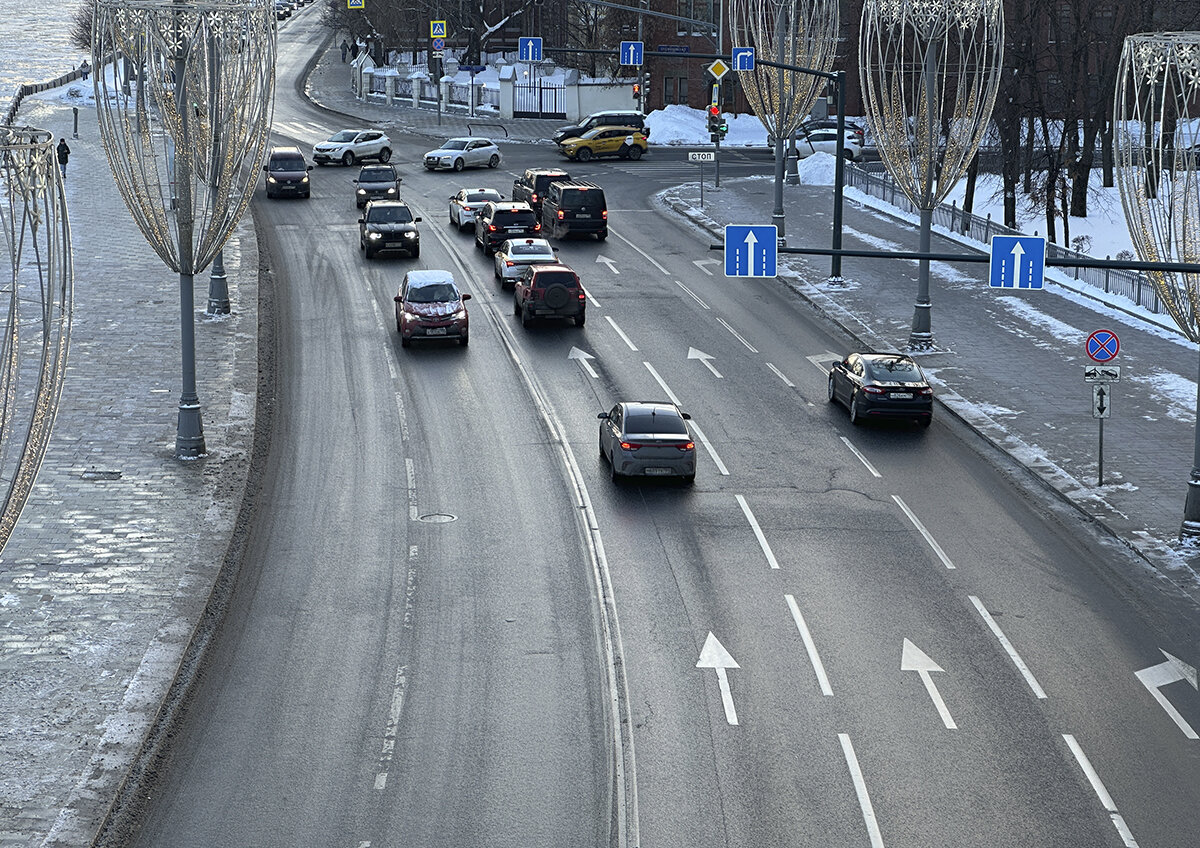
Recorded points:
(437, 29)
(354, 4)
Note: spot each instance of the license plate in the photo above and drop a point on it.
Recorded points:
(516, 229)
(583, 215)
(658, 472)
(436, 331)
(901, 395)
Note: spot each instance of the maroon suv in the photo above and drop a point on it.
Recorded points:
(549, 291)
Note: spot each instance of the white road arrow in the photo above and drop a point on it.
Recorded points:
(914, 659)
(704, 357)
(700, 263)
(1171, 671)
(1017, 253)
(582, 358)
(612, 266)
(714, 655)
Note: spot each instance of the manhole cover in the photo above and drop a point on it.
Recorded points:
(438, 518)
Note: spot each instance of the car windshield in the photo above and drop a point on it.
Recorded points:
(344, 135)
(433, 293)
(289, 164)
(656, 422)
(455, 144)
(482, 196)
(376, 175)
(531, 250)
(893, 368)
(390, 215)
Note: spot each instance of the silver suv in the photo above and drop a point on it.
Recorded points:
(349, 146)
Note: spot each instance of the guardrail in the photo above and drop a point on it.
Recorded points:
(471, 126)
(1130, 284)
(26, 89)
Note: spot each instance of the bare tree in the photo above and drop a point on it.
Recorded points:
(81, 27)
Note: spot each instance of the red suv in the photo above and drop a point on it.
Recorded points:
(549, 291)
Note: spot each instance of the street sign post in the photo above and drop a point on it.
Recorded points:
(529, 49)
(743, 58)
(631, 52)
(1103, 346)
(437, 29)
(701, 156)
(1102, 373)
(717, 68)
(751, 251)
(1018, 262)
(350, 4)
(439, 44)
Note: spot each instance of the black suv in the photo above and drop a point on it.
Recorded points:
(287, 173)
(501, 220)
(575, 207)
(531, 187)
(613, 118)
(388, 225)
(376, 182)
(549, 291)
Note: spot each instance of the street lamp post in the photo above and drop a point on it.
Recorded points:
(185, 142)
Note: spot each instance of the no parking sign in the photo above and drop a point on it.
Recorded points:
(1103, 346)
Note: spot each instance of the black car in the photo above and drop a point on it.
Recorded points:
(499, 221)
(575, 207)
(287, 173)
(612, 118)
(376, 182)
(388, 225)
(531, 187)
(881, 385)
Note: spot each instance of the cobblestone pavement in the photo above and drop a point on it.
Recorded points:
(116, 553)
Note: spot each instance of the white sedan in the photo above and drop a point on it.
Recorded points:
(515, 255)
(465, 152)
(467, 202)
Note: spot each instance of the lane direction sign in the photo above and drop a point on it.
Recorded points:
(751, 251)
(743, 58)
(437, 29)
(1171, 671)
(632, 52)
(914, 659)
(713, 655)
(1103, 346)
(529, 49)
(706, 358)
(1018, 262)
(582, 358)
(1101, 402)
(1102, 373)
(717, 68)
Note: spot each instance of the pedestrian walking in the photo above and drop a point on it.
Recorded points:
(64, 153)
(345, 49)
(85, 69)
(354, 50)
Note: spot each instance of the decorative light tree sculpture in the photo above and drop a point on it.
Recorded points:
(792, 32)
(35, 302)
(186, 141)
(1156, 142)
(930, 70)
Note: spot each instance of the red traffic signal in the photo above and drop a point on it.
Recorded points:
(637, 90)
(714, 111)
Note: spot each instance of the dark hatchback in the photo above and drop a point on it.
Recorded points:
(287, 173)
(376, 182)
(881, 385)
(499, 221)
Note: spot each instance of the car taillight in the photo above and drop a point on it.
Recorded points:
(537, 227)
(533, 197)
(560, 214)
(582, 294)
(491, 228)
(687, 446)
(604, 214)
(925, 392)
(630, 445)
(508, 263)
(873, 390)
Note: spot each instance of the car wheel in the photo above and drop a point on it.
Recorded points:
(459, 164)
(635, 153)
(600, 447)
(926, 421)
(385, 154)
(584, 154)
(689, 479)
(452, 222)
(489, 249)
(848, 155)
(416, 251)
(602, 235)
(516, 306)
(405, 342)
(526, 317)
(348, 158)
(832, 391)
(580, 318)
(370, 254)
(855, 415)
(464, 340)
(399, 329)
(494, 161)
(616, 476)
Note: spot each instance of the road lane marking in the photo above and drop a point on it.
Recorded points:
(1008, 648)
(582, 358)
(395, 711)
(701, 263)
(621, 333)
(823, 360)
(713, 655)
(809, 646)
(591, 299)
(644, 254)
(758, 533)
(712, 452)
(612, 266)
(737, 335)
(1171, 671)
(412, 488)
(1098, 787)
(937, 549)
(913, 658)
(863, 460)
(705, 358)
(781, 376)
(694, 296)
(860, 789)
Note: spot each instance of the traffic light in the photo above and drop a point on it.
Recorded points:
(637, 90)
(714, 118)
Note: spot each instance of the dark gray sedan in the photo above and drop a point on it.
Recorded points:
(648, 439)
(881, 385)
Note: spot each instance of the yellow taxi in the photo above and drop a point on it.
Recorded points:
(626, 142)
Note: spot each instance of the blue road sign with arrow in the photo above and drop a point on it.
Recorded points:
(1018, 262)
(751, 251)
(529, 49)
(631, 52)
(743, 58)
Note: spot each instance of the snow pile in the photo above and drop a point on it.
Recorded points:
(678, 124)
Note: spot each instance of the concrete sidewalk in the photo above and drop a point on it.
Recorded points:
(116, 553)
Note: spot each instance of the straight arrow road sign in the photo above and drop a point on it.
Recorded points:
(1101, 404)
(632, 52)
(751, 251)
(713, 655)
(529, 49)
(612, 266)
(914, 659)
(582, 358)
(1171, 671)
(1018, 262)
(705, 358)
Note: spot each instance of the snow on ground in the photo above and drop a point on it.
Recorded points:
(1176, 392)
(1060, 330)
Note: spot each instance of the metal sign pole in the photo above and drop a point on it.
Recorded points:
(701, 185)
(1100, 480)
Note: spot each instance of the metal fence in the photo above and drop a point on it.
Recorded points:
(539, 100)
(1130, 284)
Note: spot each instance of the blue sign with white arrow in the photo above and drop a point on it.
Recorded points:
(743, 58)
(529, 49)
(1018, 262)
(631, 52)
(751, 251)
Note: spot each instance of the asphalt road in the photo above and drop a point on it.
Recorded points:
(926, 653)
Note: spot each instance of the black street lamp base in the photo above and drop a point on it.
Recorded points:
(189, 433)
(1190, 529)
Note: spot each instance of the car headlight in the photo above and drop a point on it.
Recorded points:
(304, 179)
(270, 179)
(374, 235)
(391, 190)
(362, 191)
(459, 315)
(410, 235)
